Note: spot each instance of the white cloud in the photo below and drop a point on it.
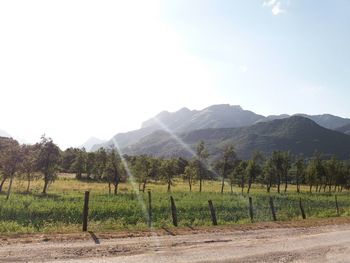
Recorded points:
(269, 3)
(276, 7)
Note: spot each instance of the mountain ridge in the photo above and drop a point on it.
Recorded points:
(297, 134)
(214, 116)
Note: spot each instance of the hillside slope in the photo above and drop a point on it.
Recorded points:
(345, 129)
(296, 134)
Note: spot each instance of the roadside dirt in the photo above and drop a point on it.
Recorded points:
(321, 240)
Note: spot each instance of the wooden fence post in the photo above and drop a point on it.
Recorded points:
(273, 212)
(251, 209)
(173, 211)
(302, 209)
(212, 213)
(149, 209)
(336, 205)
(86, 211)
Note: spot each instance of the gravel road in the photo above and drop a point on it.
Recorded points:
(325, 243)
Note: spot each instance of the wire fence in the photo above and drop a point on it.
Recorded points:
(31, 213)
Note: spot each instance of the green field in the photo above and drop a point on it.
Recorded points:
(61, 209)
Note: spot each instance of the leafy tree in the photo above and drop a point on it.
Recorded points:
(332, 170)
(29, 163)
(277, 163)
(100, 163)
(238, 175)
(90, 164)
(68, 158)
(226, 165)
(190, 174)
(286, 165)
(300, 173)
(142, 169)
(253, 169)
(114, 170)
(181, 165)
(269, 174)
(202, 156)
(79, 165)
(315, 170)
(49, 158)
(169, 169)
(10, 160)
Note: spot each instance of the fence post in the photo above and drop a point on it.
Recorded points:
(273, 209)
(212, 213)
(302, 209)
(86, 211)
(173, 211)
(251, 209)
(336, 205)
(149, 209)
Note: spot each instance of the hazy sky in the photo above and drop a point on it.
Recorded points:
(75, 69)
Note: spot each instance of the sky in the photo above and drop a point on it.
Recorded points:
(75, 69)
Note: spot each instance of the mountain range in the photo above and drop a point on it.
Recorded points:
(299, 135)
(227, 123)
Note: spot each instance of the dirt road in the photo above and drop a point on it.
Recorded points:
(324, 243)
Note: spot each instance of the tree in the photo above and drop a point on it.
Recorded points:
(315, 171)
(300, 173)
(181, 165)
(190, 173)
(238, 175)
(114, 170)
(253, 169)
(269, 174)
(142, 169)
(202, 156)
(332, 169)
(29, 163)
(100, 163)
(277, 163)
(286, 165)
(49, 158)
(79, 164)
(226, 165)
(68, 158)
(90, 164)
(10, 159)
(169, 168)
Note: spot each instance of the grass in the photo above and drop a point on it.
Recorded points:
(61, 209)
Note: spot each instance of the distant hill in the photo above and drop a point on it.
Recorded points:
(184, 120)
(4, 134)
(325, 120)
(125, 139)
(345, 129)
(299, 135)
(91, 142)
(215, 116)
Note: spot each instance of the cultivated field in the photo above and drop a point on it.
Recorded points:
(61, 209)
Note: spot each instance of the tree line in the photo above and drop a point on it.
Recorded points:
(45, 160)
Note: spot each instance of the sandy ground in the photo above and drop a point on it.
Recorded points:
(301, 241)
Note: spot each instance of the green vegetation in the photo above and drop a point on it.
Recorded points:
(61, 210)
(41, 200)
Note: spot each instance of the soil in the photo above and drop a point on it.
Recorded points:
(312, 240)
